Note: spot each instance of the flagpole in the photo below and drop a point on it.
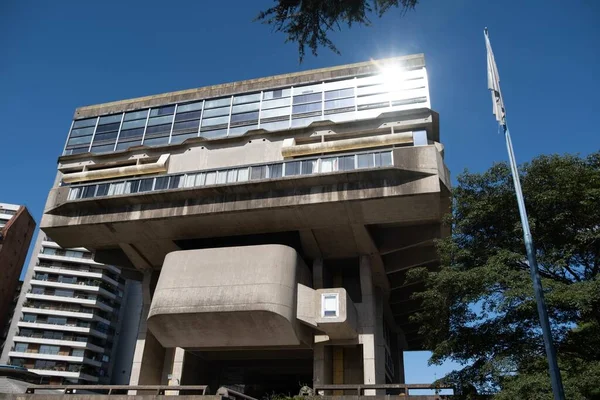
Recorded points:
(555, 378)
(494, 85)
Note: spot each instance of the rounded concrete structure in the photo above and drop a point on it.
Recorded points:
(229, 297)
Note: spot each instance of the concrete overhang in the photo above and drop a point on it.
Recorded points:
(235, 297)
(414, 190)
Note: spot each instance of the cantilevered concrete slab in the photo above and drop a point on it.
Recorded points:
(234, 297)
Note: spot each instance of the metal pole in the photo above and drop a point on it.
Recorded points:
(555, 378)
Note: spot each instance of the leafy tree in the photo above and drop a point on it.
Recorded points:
(308, 22)
(479, 308)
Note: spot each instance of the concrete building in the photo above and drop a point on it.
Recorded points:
(16, 230)
(10, 313)
(271, 222)
(68, 321)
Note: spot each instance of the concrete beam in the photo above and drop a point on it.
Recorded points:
(404, 293)
(310, 244)
(398, 279)
(400, 238)
(410, 258)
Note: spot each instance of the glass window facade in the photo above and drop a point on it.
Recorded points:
(354, 98)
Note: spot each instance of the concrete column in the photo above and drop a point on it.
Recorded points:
(149, 355)
(322, 365)
(173, 368)
(318, 273)
(400, 365)
(370, 312)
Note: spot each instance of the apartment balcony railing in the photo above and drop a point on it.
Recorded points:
(78, 324)
(95, 298)
(41, 335)
(79, 268)
(82, 282)
(291, 168)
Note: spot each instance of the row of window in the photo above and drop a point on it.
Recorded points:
(235, 175)
(74, 281)
(52, 320)
(67, 336)
(51, 251)
(51, 305)
(50, 349)
(72, 294)
(57, 366)
(272, 110)
(79, 268)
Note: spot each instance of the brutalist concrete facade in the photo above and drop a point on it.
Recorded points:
(271, 222)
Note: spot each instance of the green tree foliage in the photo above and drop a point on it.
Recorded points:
(479, 308)
(308, 22)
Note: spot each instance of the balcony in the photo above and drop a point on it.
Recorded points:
(57, 342)
(64, 312)
(100, 272)
(327, 198)
(84, 286)
(287, 169)
(64, 374)
(64, 328)
(91, 301)
(54, 357)
(55, 257)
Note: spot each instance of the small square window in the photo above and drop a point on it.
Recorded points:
(329, 305)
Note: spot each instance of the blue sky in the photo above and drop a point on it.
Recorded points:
(56, 56)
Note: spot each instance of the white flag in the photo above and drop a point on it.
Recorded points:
(494, 82)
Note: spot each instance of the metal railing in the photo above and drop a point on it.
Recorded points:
(122, 389)
(233, 394)
(404, 388)
(295, 168)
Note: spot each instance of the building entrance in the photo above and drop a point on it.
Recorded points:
(257, 373)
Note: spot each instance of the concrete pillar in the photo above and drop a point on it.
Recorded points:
(173, 368)
(397, 351)
(338, 368)
(322, 365)
(370, 312)
(149, 355)
(318, 273)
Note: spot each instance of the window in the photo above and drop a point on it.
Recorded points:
(258, 172)
(57, 320)
(67, 279)
(365, 160)
(346, 163)
(63, 293)
(73, 253)
(329, 305)
(52, 335)
(25, 332)
(43, 364)
(78, 353)
(29, 317)
(17, 362)
(292, 168)
(21, 347)
(48, 250)
(47, 349)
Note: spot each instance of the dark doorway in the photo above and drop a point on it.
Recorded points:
(256, 373)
